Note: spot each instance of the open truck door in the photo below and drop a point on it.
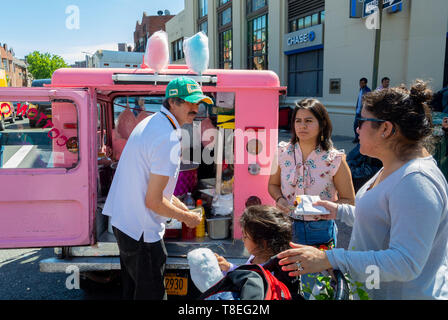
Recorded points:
(46, 197)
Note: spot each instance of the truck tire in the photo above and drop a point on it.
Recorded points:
(94, 281)
(13, 118)
(2, 123)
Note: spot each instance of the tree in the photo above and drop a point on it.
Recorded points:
(42, 65)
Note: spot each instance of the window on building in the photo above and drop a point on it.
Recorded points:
(222, 2)
(305, 74)
(254, 5)
(225, 49)
(5, 64)
(203, 26)
(203, 8)
(307, 21)
(257, 43)
(225, 17)
(178, 52)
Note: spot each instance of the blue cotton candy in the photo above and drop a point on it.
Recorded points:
(197, 52)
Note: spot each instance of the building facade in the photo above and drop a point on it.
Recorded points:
(115, 59)
(147, 27)
(16, 69)
(320, 48)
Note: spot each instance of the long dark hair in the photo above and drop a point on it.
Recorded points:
(321, 114)
(268, 228)
(408, 111)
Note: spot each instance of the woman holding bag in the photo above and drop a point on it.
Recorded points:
(309, 164)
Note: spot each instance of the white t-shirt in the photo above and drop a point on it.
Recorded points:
(153, 147)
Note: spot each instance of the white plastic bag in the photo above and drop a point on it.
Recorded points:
(222, 204)
(157, 54)
(305, 207)
(204, 268)
(196, 52)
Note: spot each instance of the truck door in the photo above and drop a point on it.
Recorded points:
(47, 197)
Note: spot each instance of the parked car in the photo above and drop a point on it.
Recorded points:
(40, 108)
(7, 113)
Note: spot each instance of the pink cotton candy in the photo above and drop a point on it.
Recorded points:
(118, 146)
(208, 133)
(142, 115)
(157, 54)
(126, 123)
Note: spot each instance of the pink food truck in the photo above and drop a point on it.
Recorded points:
(55, 176)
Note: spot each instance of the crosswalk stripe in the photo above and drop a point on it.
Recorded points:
(17, 158)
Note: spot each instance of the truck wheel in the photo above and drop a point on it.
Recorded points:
(13, 118)
(95, 281)
(2, 123)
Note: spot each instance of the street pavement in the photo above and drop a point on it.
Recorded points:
(22, 280)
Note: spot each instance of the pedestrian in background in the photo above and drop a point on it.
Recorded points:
(385, 82)
(363, 89)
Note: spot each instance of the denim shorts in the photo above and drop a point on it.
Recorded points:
(314, 232)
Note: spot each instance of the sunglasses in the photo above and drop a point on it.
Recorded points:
(362, 120)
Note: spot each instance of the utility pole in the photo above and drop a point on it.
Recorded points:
(376, 58)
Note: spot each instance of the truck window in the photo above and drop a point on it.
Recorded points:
(139, 106)
(39, 135)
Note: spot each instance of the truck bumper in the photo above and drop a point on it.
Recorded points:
(85, 264)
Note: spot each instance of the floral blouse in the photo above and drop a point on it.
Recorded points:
(313, 177)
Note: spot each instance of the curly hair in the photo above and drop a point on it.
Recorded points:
(409, 112)
(268, 228)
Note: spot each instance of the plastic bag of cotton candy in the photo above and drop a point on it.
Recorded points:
(196, 52)
(157, 54)
(204, 268)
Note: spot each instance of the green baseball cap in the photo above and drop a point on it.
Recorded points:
(186, 89)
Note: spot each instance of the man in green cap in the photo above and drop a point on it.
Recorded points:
(141, 198)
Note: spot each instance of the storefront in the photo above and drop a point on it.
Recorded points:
(305, 52)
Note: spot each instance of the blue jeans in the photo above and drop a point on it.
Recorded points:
(314, 232)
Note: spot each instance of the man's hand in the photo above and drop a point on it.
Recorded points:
(191, 219)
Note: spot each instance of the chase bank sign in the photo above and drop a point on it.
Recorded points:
(302, 39)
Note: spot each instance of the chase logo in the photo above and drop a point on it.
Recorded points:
(173, 92)
(193, 88)
(311, 36)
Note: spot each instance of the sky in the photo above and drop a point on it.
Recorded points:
(54, 26)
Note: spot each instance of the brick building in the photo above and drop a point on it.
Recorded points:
(16, 70)
(147, 27)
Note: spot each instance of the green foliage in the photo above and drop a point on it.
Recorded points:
(42, 65)
(328, 290)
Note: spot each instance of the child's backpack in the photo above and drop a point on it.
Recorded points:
(248, 282)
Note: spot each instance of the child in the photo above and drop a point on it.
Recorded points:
(266, 232)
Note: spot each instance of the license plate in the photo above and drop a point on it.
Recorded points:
(176, 286)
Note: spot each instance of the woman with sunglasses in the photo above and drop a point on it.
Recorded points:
(398, 247)
(309, 164)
